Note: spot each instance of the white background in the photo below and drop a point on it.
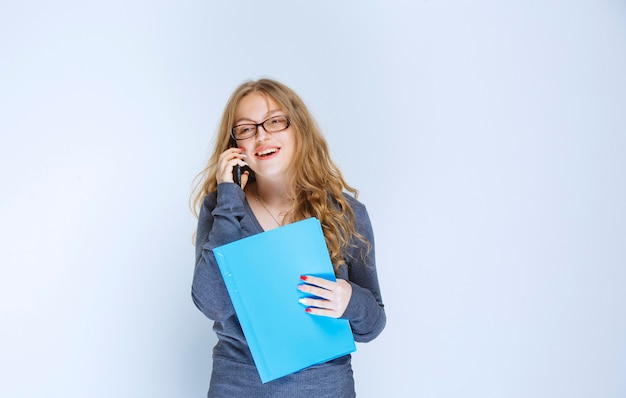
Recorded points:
(487, 139)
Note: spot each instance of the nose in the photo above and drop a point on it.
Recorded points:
(262, 134)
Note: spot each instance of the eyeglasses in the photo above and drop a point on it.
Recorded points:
(271, 125)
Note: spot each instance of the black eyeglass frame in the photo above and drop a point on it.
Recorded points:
(256, 127)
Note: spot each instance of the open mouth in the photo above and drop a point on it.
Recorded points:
(267, 152)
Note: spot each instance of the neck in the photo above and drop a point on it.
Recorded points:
(273, 193)
(275, 202)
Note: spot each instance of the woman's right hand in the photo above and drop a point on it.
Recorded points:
(229, 159)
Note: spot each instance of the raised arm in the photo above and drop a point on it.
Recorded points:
(219, 222)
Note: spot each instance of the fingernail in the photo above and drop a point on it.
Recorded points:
(308, 310)
(301, 301)
(303, 277)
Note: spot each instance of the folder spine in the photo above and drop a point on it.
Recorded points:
(246, 325)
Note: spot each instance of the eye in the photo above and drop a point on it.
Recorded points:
(244, 129)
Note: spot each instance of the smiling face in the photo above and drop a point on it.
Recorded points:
(268, 154)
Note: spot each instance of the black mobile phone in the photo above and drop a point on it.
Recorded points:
(238, 170)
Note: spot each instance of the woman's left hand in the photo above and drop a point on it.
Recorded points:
(333, 296)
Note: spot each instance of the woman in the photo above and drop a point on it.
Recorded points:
(287, 176)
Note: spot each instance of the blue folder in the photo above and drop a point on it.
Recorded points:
(262, 273)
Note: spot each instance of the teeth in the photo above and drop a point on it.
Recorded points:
(267, 152)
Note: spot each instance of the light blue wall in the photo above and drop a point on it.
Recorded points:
(487, 139)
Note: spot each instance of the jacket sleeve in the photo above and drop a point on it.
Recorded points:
(219, 222)
(365, 311)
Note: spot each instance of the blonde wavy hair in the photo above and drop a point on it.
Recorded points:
(317, 184)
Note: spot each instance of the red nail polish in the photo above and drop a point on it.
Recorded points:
(308, 310)
(303, 277)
